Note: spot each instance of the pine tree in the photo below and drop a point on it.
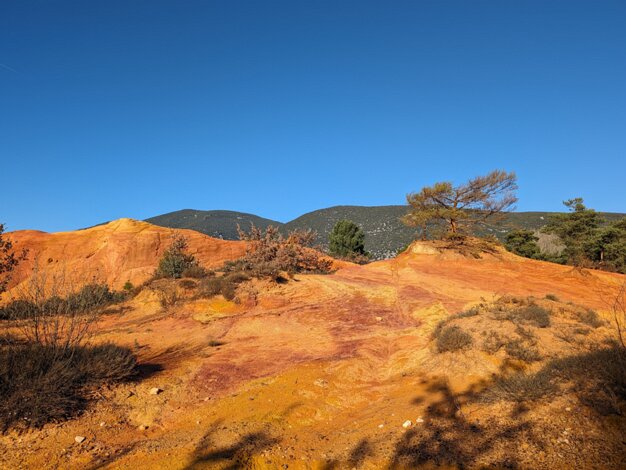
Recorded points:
(460, 207)
(347, 240)
(523, 243)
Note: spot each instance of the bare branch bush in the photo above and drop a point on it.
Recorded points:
(51, 309)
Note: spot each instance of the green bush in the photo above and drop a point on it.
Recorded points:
(175, 260)
(522, 243)
(453, 338)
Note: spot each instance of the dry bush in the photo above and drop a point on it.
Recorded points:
(48, 369)
(618, 310)
(590, 318)
(40, 384)
(197, 272)
(552, 297)
(188, 284)
(531, 314)
(269, 253)
(519, 387)
(168, 295)
(522, 351)
(54, 311)
(225, 285)
(452, 338)
(493, 342)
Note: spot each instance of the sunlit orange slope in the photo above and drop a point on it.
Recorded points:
(116, 252)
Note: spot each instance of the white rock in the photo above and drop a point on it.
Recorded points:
(380, 426)
(406, 424)
(102, 424)
(419, 420)
(379, 318)
(155, 391)
(80, 439)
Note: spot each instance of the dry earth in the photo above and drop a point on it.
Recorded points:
(320, 372)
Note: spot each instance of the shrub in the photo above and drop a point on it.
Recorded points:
(493, 343)
(520, 387)
(196, 272)
(128, 286)
(90, 298)
(453, 338)
(533, 314)
(39, 385)
(168, 296)
(590, 318)
(472, 312)
(18, 309)
(188, 284)
(175, 260)
(552, 297)
(269, 253)
(522, 243)
(520, 350)
(225, 285)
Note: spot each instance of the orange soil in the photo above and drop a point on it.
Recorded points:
(320, 372)
(116, 252)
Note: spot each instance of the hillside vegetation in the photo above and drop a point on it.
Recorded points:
(384, 232)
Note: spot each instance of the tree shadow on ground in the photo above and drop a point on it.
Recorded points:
(449, 438)
(230, 457)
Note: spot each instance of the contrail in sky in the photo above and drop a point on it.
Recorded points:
(10, 69)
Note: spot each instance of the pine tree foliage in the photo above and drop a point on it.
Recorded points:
(347, 240)
(458, 208)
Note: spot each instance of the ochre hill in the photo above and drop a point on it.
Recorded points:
(324, 370)
(116, 252)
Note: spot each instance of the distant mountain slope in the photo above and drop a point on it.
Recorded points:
(384, 233)
(218, 224)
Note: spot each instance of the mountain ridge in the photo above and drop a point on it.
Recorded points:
(384, 232)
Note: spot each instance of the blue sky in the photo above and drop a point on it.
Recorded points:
(135, 108)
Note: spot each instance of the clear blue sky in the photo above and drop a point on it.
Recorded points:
(126, 108)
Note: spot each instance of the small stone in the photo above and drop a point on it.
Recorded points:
(80, 439)
(155, 391)
(379, 318)
(419, 420)
(143, 427)
(406, 424)
(380, 426)
(568, 409)
(102, 424)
